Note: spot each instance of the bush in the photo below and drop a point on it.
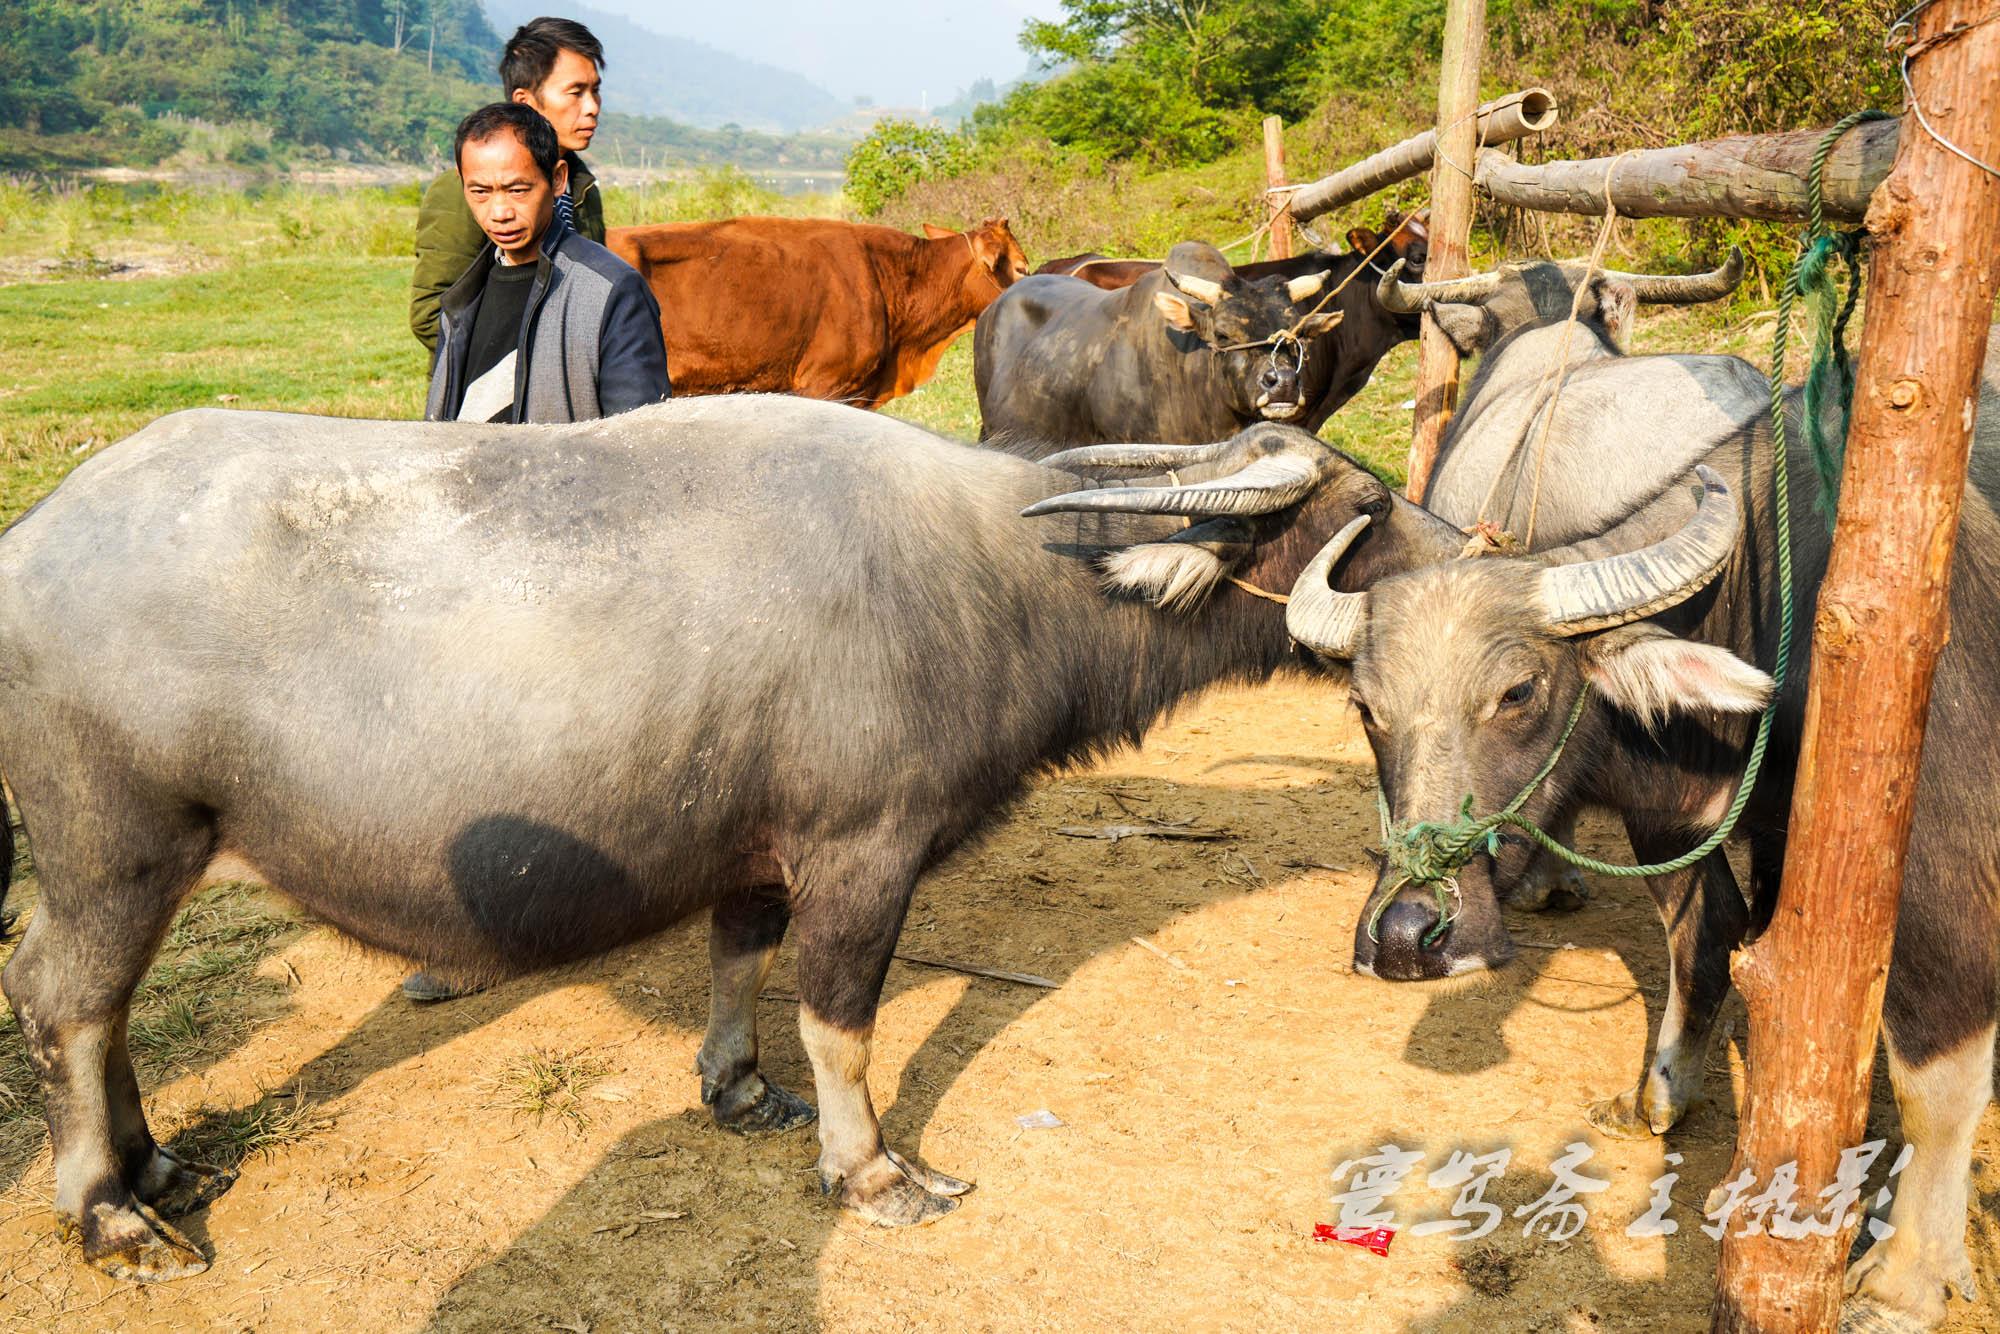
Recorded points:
(895, 156)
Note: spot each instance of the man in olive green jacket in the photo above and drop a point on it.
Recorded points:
(552, 65)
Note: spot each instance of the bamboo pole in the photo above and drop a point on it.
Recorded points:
(1274, 179)
(1501, 121)
(1814, 981)
(1743, 176)
(1450, 227)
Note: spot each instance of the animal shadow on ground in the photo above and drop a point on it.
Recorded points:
(962, 911)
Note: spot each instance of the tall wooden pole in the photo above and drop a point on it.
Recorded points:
(1450, 226)
(1814, 981)
(1274, 176)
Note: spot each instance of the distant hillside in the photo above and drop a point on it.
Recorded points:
(192, 84)
(116, 81)
(652, 74)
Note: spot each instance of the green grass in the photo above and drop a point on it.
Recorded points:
(85, 362)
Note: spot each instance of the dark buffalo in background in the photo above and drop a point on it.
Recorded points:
(1338, 363)
(1189, 354)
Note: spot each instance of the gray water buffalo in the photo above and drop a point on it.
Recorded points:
(497, 697)
(1548, 482)
(1649, 633)
(1191, 353)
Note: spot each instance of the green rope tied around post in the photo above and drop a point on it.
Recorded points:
(1430, 852)
(1829, 390)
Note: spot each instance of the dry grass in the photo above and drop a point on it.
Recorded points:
(543, 1082)
(199, 999)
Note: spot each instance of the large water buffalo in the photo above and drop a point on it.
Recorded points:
(1649, 633)
(1190, 354)
(494, 697)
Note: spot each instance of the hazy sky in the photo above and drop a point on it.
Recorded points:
(894, 51)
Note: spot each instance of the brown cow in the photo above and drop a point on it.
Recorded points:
(845, 311)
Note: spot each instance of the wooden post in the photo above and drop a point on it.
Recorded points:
(1274, 177)
(1814, 981)
(1743, 176)
(1450, 227)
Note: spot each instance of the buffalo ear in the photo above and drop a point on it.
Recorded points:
(1650, 674)
(937, 233)
(1179, 573)
(1181, 312)
(1617, 305)
(1360, 240)
(1466, 326)
(1323, 322)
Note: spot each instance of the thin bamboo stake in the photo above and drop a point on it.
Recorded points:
(1814, 981)
(1274, 180)
(1450, 227)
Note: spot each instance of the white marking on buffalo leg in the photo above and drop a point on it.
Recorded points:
(849, 1135)
(85, 1157)
(1914, 1268)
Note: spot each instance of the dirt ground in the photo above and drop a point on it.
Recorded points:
(1208, 1053)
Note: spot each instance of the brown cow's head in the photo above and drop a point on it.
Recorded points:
(1467, 676)
(1258, 329)
(995, 255)
(1408, 240)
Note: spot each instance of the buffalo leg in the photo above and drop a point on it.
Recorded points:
(744, 931)
(1916, 1267)
(1938, 1014)
(71, 984)
(1705, 917)
(1551, 884)
(845, 942)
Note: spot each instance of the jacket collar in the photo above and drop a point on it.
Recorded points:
(467, 289)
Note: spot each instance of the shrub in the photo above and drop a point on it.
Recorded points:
(896, 155)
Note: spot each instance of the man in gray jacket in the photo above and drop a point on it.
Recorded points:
(547, 325)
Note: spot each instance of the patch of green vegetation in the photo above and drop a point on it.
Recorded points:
(225, 1136)
(543, 1082)
(87, 362)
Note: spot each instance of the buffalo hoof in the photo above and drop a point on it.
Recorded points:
(137, 1245)
(175, 1187)
(891, 1191)
(1621, 1118)
(1898, 1289)
(773, 1112)
(1550, 888)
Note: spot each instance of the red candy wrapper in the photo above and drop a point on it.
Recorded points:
(1374, 1239)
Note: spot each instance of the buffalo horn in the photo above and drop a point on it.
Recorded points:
(1401, 298)
(1135, 456)
(1201, 289)
(1324, 620)
(1308, 285)
(1319, 617)
(1265, 486)
(1598, 594)
(1686, 289)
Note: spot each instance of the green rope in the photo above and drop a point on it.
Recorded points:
(1829, 389)
(1429, 852)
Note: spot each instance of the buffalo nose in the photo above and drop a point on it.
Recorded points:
(1274, 379)
(1401, 954)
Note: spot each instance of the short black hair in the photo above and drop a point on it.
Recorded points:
(530, 54)
(527, 124)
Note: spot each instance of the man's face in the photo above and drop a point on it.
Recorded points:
(508, 195)
(568, 97)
